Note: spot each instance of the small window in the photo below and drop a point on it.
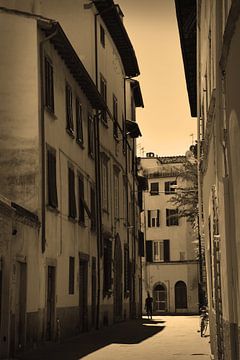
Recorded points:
(172, 217)
(161, 251)
(115, 117)
(154, 190)
(90, 136)
(103, 92)
(79, 122)
(154, 218)
(81, 209)
(170, 187)
(71, 275)
(49, 85)
(69, 110)
(51, 178)
(71, 194)
(102, 36)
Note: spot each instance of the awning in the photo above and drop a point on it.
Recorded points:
(132, 129)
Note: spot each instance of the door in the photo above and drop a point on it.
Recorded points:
(83, 295)
(51, 273)
(160, 298)
(180, 295)
(94, 291)
(117, 280)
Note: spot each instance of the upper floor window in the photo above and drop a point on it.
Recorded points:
(115, 117)
(116, 193)
(69, 109)
(52, 178)
(102, 36)
(172, 217)
(81, 209)
(154, 188)
(170, 187)
(72, 211)
(79, 122)
(71, 275)
(91, 141)
(153, 218)
(49, 84)
(103, 92)
(124, 140)
(158, 251)
(104, 169)
(93, 208)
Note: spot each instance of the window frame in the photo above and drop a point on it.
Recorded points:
(48, 84)
(115, 117)
(168, 185)
(79, 122)
(102, 36)
(71, 275)
(91, 139)
(154, 192)
(81, 207)
(172, 218)
(72, 208)
(52, 178)
(69, 109)
(103, 92)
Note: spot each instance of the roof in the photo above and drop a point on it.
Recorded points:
(72, 61)
(111, 17)
(186, 18)
(137, 93)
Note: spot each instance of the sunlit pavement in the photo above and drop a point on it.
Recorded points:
(165, 338)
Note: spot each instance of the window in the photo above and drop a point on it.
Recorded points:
(71, 275)
(104, 168)
(102, 36)
(79, 124)
(93, 209)
(51, 178)
(158, 251)
(90, 136)
(81, 209)
(170, 187)
(107, 265)
(72, 211)
(49, 84)
(103, 92)
(115, 117)
(153, 218)
(69, 110)
(161, 250)
(124, 140)
(154, 188)
(172, 217)
(116, 193)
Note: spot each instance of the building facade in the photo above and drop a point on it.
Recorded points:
(67, 155)
(170, 266)
(210, 46)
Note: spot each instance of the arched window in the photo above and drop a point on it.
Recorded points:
(180, 295)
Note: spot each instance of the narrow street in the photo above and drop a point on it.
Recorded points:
(165, 338)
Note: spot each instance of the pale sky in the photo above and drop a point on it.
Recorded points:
(165, 121)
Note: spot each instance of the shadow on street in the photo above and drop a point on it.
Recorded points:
(131, 332)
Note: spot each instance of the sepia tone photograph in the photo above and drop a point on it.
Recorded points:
(119, 157)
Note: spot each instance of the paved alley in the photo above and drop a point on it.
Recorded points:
(165, 338)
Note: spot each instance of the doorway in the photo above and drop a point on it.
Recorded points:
(51, 280)
(180, 295)
(83, 295)
(160, 298)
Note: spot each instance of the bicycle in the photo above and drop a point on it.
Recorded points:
(204, 320)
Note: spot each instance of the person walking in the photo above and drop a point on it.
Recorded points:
(149, 305)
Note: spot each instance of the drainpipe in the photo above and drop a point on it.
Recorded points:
(42, 136)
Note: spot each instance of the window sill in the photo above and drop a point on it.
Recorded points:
(70, 132)
(53, 209)
(50, 112)
(73, 220)
(80, 143)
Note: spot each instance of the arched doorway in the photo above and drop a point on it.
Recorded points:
(159, 298)
(117, 279)
(180, 295)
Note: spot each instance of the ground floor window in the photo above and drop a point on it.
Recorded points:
(160, 298)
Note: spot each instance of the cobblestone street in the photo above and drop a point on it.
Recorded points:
(165, 338)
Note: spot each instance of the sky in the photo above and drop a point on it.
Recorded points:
(165, 121)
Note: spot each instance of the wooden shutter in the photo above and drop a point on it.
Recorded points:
(158, 218)
(81, 200)
(71, 275)
(166, 250)
(93, 210)
(149, 218)
(149, 251)
(71, 194)
(141, 243)
(52, 181)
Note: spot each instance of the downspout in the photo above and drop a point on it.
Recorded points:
(42, 135)
(98, 183)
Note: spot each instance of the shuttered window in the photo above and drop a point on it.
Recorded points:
(172, 218)
(93, 210)
(91, 141)
(81, 209)
(158, 251)
(107, 266)
(71, 194)
(141, 243)
(154, 188)
(49, 84)
(79, 122)
(115, 117)
(71, 275)
(170, 187)
(103, 92)
(149, 251)
(154, 218)
(126, 269)
(69, 109)
(51, 178)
